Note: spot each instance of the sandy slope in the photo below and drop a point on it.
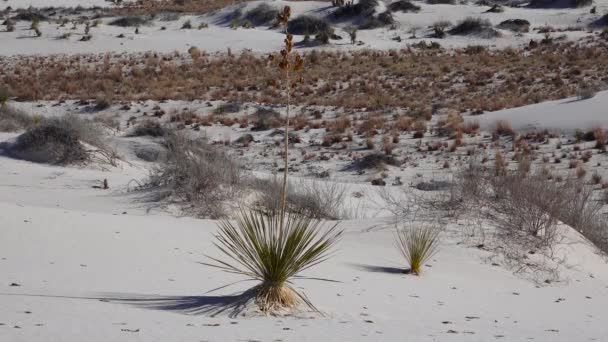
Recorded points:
(146, 270)
(564, 115)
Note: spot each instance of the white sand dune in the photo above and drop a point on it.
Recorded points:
(565, 115)
(92, 265)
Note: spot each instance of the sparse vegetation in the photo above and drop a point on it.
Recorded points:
(197, 174)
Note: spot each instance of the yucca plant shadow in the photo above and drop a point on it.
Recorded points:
(230, 305)
(380, 269)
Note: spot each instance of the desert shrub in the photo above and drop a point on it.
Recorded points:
(475, 26)
(600, 139)
(187, 25)
(363, 8)
(196, 174)
(265, 119)
(381, 20)
(439, 28)
(528, 204)
(559, 4)
(103, 102)
(515, 25)
(321, 200)
(273, 248)
(130, 21)
(586, 92)
(4, 96)
(308, 25)
(53, 141)
(262, 14)
(227, 108)
(503, 127)
(403, 6)
(375, 161)
(12, 119)
(417, 245)
(152, 128)
(30, 15)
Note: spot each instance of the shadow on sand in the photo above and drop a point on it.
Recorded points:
(211, 306)
(380, 269)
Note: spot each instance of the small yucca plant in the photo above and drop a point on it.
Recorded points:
(417, 245)
(260, 249)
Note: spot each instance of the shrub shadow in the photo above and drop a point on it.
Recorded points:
(380, 269)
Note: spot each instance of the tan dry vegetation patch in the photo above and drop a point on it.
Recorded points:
(410, 78)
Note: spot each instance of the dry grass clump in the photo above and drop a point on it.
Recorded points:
(600, 139)
(503, 127)
(12, 119)
(321, 200)
(197, 174)
(418, 245)
(149, 127)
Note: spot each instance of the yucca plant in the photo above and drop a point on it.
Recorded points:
(418, 245)
(258, 248)
(274, 247)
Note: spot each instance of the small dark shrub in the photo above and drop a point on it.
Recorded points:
(130, 21)
(151, 128)
(375, 161)
(304, 25)
(381, 20)
(228, 107)
(403, 6)
(265, 119)
(515, 25)
(263, 14)
(475, 26)
(363, 8)
(441, 2)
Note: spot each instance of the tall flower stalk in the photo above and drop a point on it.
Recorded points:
(288, 64)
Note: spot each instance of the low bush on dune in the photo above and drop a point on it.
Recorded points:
(362, 9)
(515, 25)
(375, 161)
(198, 174)
(53, 141)
(307, 25)
(441, 2)
(417, 245)
(475, 26)
(318, 200)
(130, 21)
(13, 120)
(381, 20)
(151, 128)
(262, 14)
(266, 118)
(403, 6)
(560, 3)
